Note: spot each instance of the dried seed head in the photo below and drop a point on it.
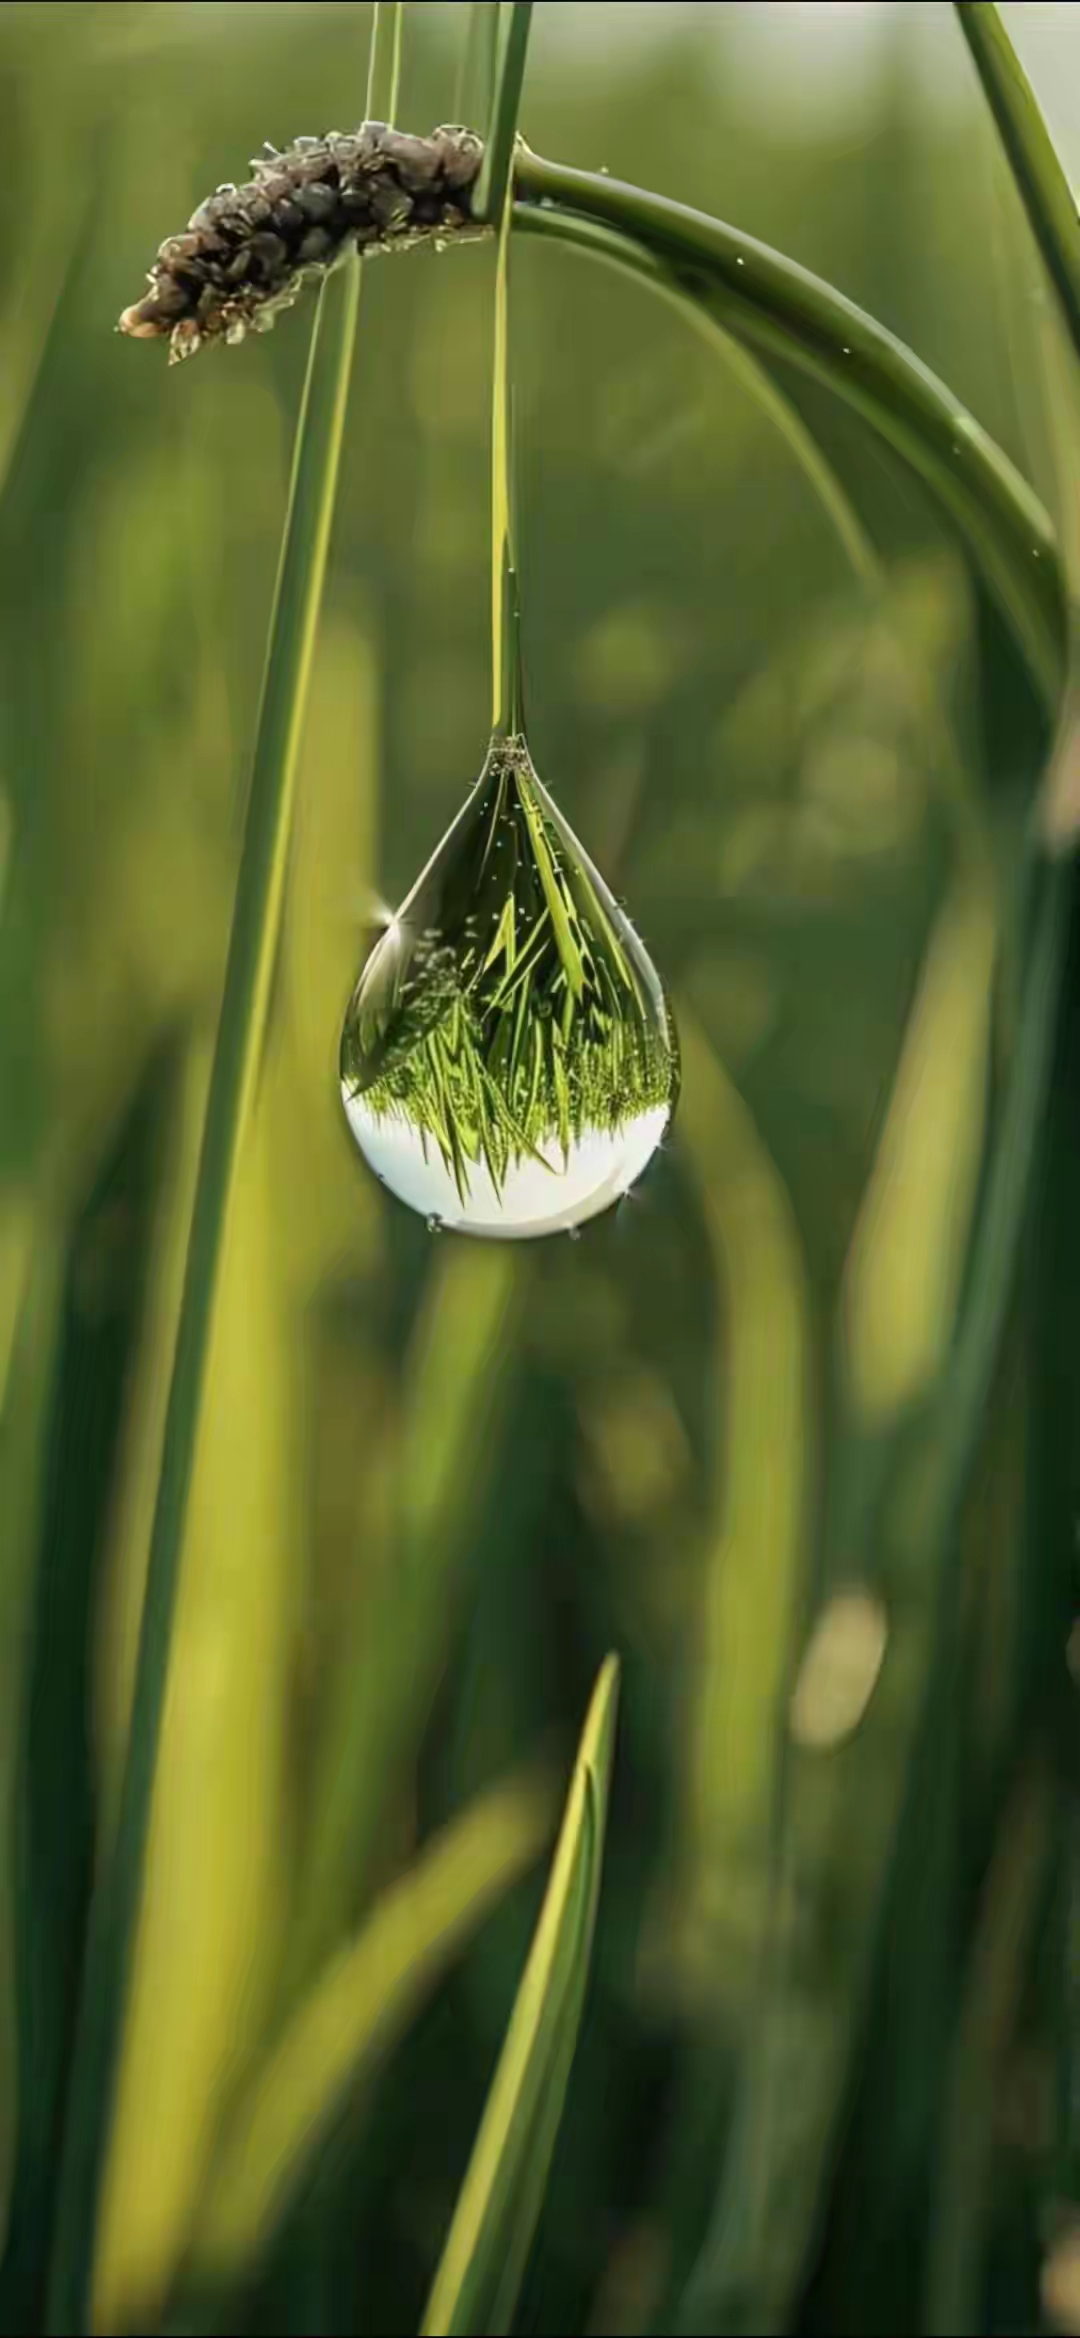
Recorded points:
(246, 250)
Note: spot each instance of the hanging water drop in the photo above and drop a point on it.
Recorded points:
(508, 1061)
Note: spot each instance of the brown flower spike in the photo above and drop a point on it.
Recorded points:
(246, 250)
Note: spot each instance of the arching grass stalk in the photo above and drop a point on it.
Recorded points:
(240, 1039)
(779, 310)
(767, 303)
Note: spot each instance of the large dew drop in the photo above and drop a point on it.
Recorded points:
(508, 1062)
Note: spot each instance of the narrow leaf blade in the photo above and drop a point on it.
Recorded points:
(1044, 189)
(487, 2249)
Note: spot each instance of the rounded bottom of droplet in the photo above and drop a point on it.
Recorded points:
(536, 1197)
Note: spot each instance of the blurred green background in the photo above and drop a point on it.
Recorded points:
(828, 2031)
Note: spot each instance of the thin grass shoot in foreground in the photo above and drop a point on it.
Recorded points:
(487, 2249)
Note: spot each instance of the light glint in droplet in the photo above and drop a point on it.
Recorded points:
(508, 1062)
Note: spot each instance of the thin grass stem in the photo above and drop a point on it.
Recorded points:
(491, 187)
(507, 707)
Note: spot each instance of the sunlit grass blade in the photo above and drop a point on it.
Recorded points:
(204, 1963)
(351, 2017)
(487, 2249)
(240, 1042)
(1047, 196)
(907, 1256)
(457, 1377)
(516, 20)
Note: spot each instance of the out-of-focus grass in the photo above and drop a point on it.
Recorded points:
(755, 1571)
(351, 2017)
(435, 1490)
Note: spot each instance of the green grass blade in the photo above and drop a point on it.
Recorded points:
(502, 130)
(988, 2016)
(779, 310)
(474, 88)
(753, 1577)
(31, 1298)
(353, 2013)
(241, 1034)
(1047, 196)
(458, 1374)
(487, 2249)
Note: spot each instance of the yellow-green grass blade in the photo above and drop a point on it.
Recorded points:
(351, 2017)
(457, 1376)
(238, 1057)
(754, 1576)
(494, 2224)
(905, 1266)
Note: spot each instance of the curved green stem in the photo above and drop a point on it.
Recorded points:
(238, 1055)
(781, 311)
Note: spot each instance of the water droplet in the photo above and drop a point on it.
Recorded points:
(740, 263)
(574, 1233)
(434, 1224)
(508, 1061)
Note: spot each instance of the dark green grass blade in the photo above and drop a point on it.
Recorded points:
(502, 130)
(1047, 196)
(995, 1980)
(54, 1816)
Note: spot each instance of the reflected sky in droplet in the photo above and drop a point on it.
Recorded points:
(533, 1199)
